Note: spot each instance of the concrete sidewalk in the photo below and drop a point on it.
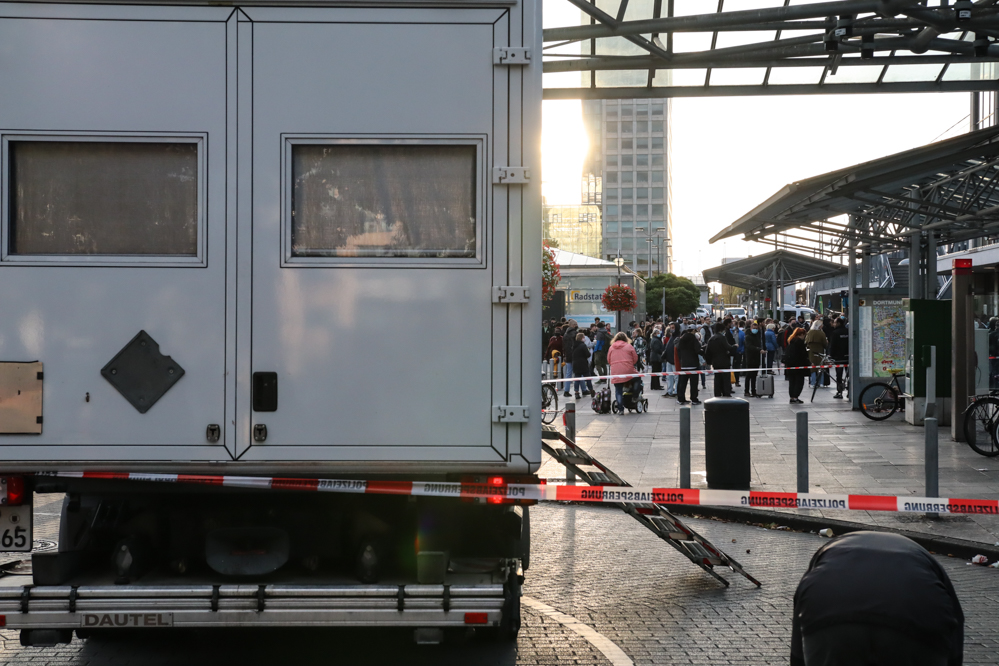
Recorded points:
(848, 454)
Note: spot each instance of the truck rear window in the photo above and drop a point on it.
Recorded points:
(355, 200)
(103, 198)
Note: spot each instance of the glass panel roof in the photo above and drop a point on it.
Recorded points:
(751, 45)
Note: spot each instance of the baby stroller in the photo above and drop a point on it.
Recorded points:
(632, 397)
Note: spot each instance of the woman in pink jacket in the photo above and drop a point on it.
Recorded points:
(622, 359)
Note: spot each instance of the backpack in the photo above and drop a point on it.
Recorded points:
(602, 401)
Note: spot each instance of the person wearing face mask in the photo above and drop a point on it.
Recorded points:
(753, 356)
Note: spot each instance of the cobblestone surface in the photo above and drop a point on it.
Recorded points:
(848, 454)
(595, 564)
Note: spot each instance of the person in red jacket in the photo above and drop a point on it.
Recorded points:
(622, 359)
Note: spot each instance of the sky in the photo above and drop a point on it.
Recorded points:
(729, 154)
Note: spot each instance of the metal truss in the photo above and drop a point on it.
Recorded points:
(652, 48)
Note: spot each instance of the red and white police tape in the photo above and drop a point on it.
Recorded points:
(687, 372)
(497, 490)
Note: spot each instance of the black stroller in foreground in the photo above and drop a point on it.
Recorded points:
(633, 399)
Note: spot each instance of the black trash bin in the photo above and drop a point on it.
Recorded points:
(726, 443)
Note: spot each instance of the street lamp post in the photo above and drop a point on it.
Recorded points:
(648, 239)
(619, 262)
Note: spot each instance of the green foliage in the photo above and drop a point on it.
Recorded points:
(682, 295)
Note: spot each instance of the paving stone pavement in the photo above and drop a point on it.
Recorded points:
(593, 563)
(848, 454)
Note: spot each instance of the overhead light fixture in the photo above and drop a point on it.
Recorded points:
(844, 26)
(963, 9)
(867, 47)
(981, 45)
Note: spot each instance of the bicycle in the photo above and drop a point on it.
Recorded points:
(879, 400)
(981, 419)
(549, 403)
(828, 360)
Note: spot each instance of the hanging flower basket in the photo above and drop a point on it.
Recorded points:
(550, 273)
(619, 298)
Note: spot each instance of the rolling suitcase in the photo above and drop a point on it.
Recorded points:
(765, 386)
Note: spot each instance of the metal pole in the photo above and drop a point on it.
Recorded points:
(802, 451)
(931, 384)
(685, 446)
(570, 434)
(932, 461)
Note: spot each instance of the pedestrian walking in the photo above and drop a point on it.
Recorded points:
(601, 345)
(687, 352)
(568, 345)
(656, 348)
(622, 359)
(718, 352)
(669, 356)
(581, 366)
(839, 350)
(876, 598)
(753, 357)
(817, 343)
(795, 360)
(772, 346)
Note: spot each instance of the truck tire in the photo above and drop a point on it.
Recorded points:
(510, 624)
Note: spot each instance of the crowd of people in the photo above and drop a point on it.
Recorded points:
(745, 348)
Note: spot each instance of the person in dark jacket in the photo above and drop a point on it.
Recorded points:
(601, 345)
(731, 335)
(555, 347)
(796, 364)
(656, 349)
(568, 344)
(839, 350)
(670, 338)
(718, 353)
(753, 357)
(687, 349)
(876, 598)
(581, 366)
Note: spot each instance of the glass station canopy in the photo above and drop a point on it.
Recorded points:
(613, 49)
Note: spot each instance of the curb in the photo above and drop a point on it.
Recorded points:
(939, 545)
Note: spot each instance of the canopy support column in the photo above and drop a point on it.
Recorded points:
(930, 289)
(915, 258)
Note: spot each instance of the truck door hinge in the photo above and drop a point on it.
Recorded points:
(511, 294)
(511, 413)
(511, 55)
(511, 175)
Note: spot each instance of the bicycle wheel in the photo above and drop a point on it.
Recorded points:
(549, 403)
(980, 423)
(878, 401)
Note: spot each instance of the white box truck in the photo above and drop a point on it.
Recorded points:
(268, 239)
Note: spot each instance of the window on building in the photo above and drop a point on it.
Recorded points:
(610, 211)
(627, 127)
(611, 126)
(611, 194)
(642, 260)
(642, 127)
(642, 111)
(103, 198)
(657, 192)
(627, 210)
(610, 226)
(641, 210)
(612, 160)
(627, 160)
(657, 211)
(627, 176)
(627, 144)
(627, 112)
(627, 244)
(591, 106)
(610, 177)
(641, 193)
(657, 126)
(657, 143)
(642, 143)
(642, 160)
(657, 109)
(643, 176)
(627, 227)
(657, 176)
(657, 160)
(611, 113)
(611, 144)
(626, 193)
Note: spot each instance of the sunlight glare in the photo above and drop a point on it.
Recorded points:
(563, 150)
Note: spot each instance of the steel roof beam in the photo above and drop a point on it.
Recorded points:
(632, 92)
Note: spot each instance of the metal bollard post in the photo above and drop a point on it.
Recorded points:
(931, 383)
(802, 451)
(569, 419)
(932, 461)
(685, 446)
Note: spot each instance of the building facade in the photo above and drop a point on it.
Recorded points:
(627, 174)
(574, 228)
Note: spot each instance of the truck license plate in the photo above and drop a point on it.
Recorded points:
(15, 528)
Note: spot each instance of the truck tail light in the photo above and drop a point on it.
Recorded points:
(12, 490)
(3, 620)
(495, 489)
(476, 618)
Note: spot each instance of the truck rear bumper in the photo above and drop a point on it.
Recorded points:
(101, 607)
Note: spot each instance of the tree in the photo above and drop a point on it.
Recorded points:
(682, 295)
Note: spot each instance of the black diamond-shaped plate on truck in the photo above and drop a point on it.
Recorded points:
(141, 373)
